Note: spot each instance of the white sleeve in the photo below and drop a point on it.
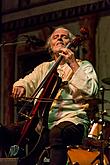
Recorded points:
(84, 79)
(30, 82)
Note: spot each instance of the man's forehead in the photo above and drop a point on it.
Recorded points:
(60, 30)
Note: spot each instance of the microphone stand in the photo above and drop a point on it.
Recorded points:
(4, 43)
(100, 156)
(104, 142)
(27, 39)
(102, 90)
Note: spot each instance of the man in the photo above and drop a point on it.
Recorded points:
(68, 122)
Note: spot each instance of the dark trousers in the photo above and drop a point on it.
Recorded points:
(60, 136)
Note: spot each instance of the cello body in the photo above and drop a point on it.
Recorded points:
(41, 109)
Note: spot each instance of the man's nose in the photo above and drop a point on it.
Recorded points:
(60, 38)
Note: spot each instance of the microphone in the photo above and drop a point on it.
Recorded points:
(33, 40)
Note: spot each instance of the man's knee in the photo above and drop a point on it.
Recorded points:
(55, 136)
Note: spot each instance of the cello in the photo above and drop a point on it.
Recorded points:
(39, 115)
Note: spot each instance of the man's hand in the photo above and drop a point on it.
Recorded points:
(18, 91)
(70, 59)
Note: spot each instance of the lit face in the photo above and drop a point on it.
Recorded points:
(59, 38)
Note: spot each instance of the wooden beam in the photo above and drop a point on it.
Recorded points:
(57, 17)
